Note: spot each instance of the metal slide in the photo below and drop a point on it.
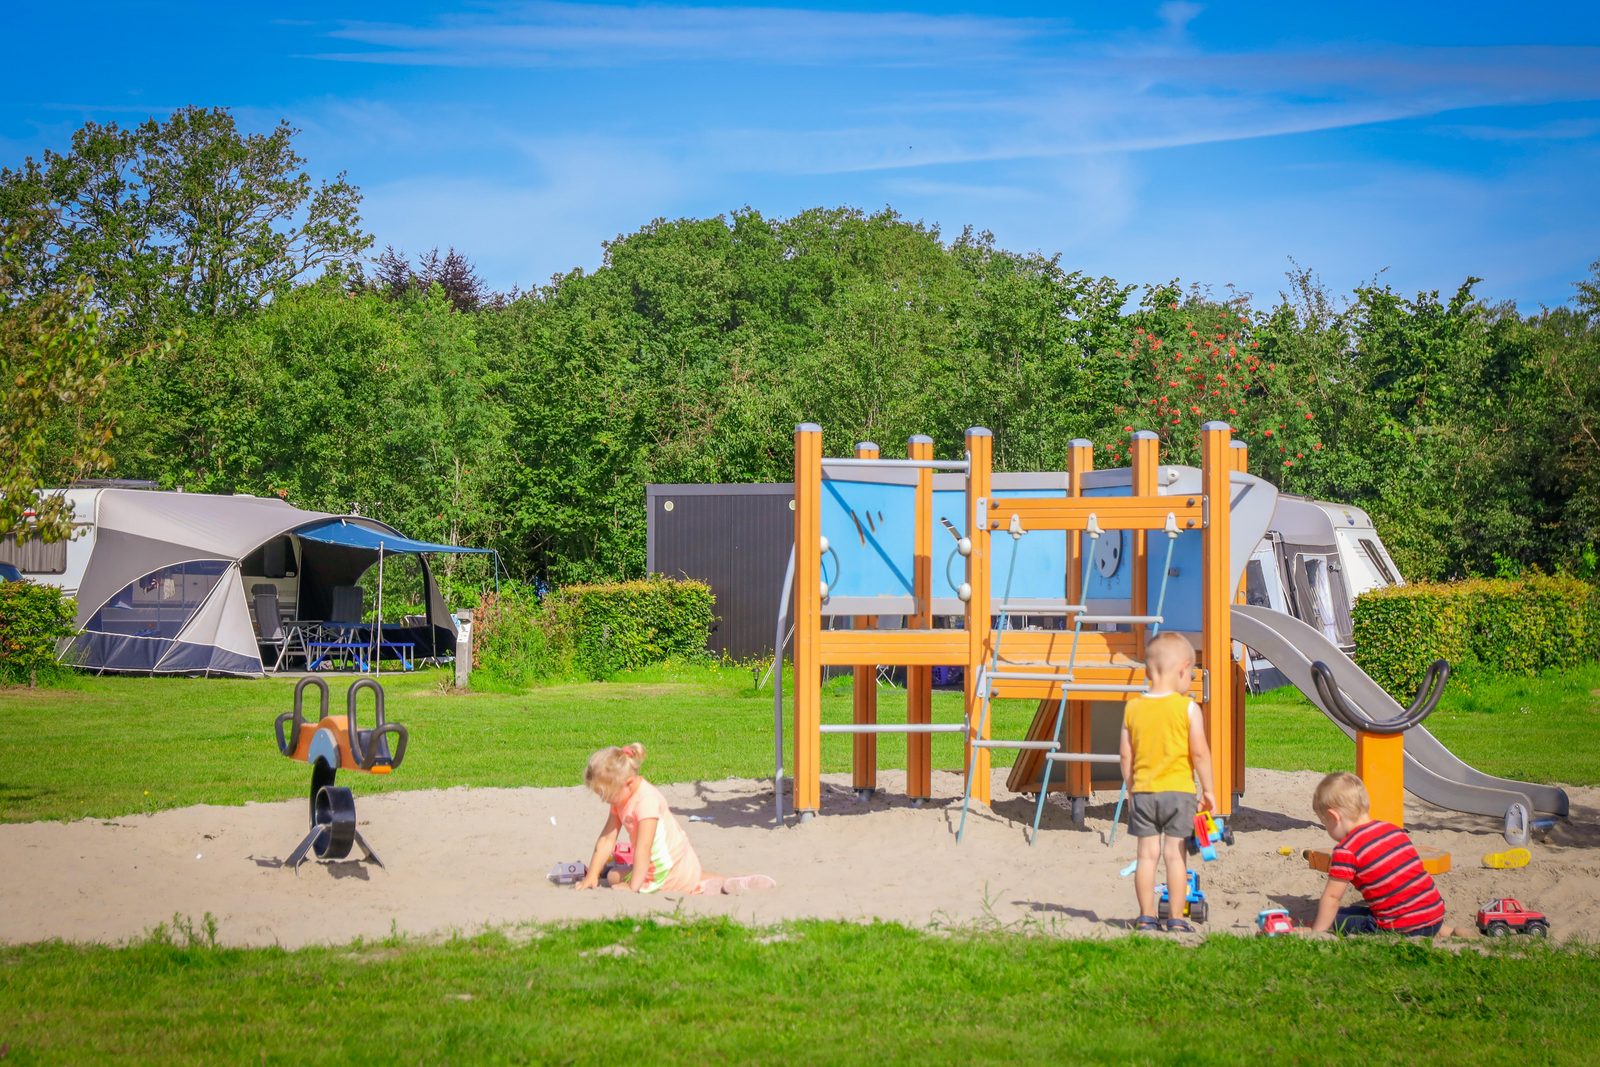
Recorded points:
(1432, 773)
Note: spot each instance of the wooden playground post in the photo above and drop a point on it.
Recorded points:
(980, 491)
(1216, 653)
(1079, 727)
(807, 617)
(919, 679)
(864, 689)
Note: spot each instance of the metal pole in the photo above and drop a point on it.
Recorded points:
(777, 690)
(377, 622)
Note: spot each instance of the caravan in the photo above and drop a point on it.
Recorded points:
(1316, 558)
(62, 563)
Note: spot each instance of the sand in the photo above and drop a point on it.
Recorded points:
(463, 860)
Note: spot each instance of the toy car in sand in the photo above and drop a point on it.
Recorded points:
(1194, 901)
(1274, 921)
(1499, 917)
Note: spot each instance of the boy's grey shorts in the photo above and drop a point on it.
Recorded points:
(1171, 814)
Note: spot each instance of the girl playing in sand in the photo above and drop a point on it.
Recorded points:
(664, 861)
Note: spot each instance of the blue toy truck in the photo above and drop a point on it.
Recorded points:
(1194, 901)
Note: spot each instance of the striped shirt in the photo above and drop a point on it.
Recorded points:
(1379, 860)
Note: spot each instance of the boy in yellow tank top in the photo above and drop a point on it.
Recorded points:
(1163, 747)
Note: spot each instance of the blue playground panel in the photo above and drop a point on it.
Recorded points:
(1041, 564)
(1181, 608)
(869, 526)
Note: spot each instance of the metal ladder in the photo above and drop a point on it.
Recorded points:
(1052, 748)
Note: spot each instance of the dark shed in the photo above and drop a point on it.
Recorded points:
(736, 539)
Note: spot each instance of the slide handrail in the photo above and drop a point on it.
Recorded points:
(1426, 700)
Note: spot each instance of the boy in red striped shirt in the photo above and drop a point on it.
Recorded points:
(1398, 895)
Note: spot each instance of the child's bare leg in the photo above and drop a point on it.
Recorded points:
(1144, 875)
(614, 877)
(744, 883)
(1177, 875)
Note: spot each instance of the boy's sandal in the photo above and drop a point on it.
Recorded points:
(1178, 926)
(1147, 923)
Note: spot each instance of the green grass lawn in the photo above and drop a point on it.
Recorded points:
(714, 990)
(810, 992)
(107, 746)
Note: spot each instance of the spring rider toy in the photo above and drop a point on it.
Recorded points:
(331, 745)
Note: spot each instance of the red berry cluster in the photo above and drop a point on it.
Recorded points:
(1203, 364)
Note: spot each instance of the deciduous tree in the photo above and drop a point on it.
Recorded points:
(183, 214)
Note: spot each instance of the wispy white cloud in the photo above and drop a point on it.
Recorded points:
(572, 194)
(1176, 15)
(1053, 140)
(1559, 130)
(1132, 103)
(561, 34)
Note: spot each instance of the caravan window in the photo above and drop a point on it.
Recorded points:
(1370, 548)
(1255, 585)
(34, 556)
(1317, 581)
(160, 602)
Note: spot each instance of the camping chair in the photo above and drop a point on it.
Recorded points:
(270, 633)
(348, 605)
(339, 638)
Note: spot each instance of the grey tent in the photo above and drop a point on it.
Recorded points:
(172, 579)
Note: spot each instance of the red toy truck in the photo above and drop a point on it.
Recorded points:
(1274, 921)
(1499, 917)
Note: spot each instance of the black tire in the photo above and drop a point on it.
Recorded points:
(1497, 929)
(1537, 929)
(1198, 911)
(336, 814)
(1227, 837)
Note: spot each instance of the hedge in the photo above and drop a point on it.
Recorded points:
(590, 631)
(618, 626)
(32, 619)
(1512, 626)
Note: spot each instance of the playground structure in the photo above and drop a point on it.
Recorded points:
(1100, 549)
(331, 745)
(1108, 556)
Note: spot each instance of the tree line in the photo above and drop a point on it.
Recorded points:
(183, 304)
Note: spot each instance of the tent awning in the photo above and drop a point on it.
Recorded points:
(351, 535)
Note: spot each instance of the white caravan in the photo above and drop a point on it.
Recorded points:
(62, 563)
(1316, 558)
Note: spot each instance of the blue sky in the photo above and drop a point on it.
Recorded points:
(1212, 142)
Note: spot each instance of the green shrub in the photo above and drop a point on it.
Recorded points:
(622, 625)
(514, 641)
(589, 631)
(32, 619)
(1514, 626)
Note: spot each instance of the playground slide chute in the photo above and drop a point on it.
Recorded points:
(1432, 772)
